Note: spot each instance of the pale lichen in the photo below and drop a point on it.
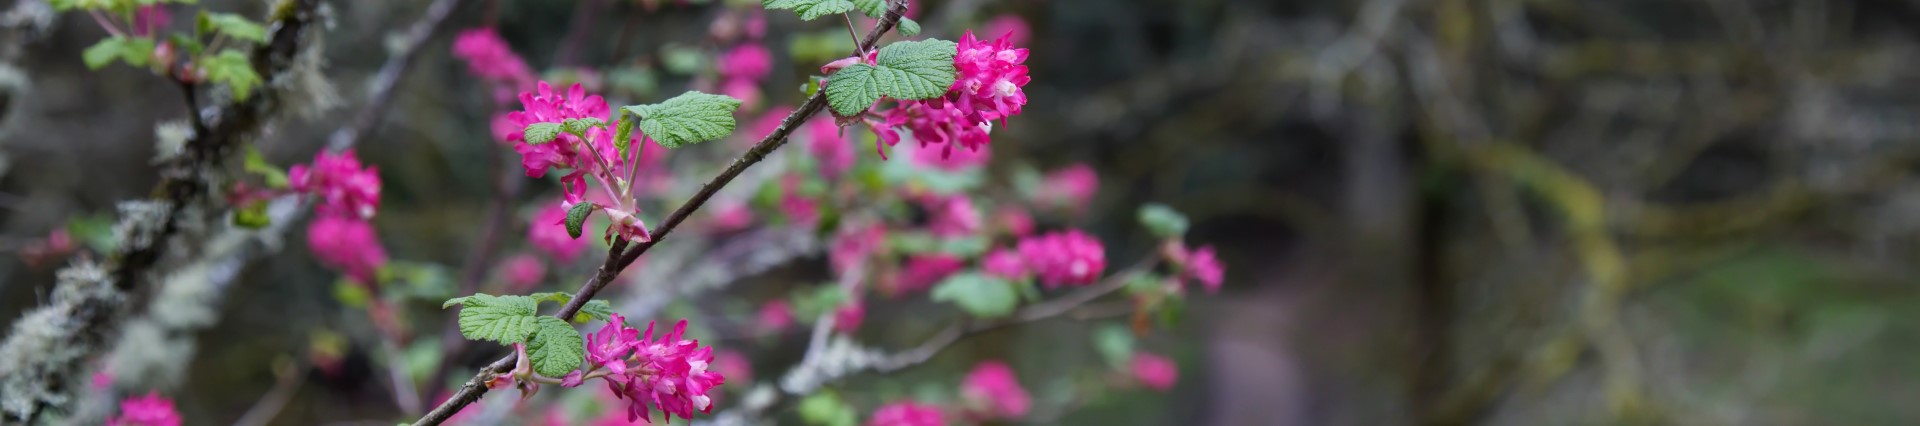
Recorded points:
(41, 359)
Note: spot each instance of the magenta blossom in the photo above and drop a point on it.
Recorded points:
(749, 61)
(490, 58)
(347, 245)
(342, 186)
(733, 364)
(1064, 258)
(848, 317)
(1011, 27)
(1154, 371)
(992, 391)
(776, 316)
(730, 217)
(944, 157)
(824, 142)
(1004, 263)
(991, 76)
(549, 235)
(1070, 188)
(922, 272)
(150, 410)
(523, 272)
(564, 152)
(1014, 220)
(933, 122)
(907, 413)
(852, 247)
(953, 216)
(150, 19)
(666, 372)
(1201, 265)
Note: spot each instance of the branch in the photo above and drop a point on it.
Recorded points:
(618, 256)
(389, 76)
(289, 376)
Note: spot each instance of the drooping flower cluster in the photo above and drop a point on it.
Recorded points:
(952, 216)
(592, 153)
(742, 69)
(665, 372)
(1201, 265)
(1063, 258)
(1070, 188)
(987, 87)
(1154, 371)
(150, 410)
(992, 392)
(342, 186)
(490, 58)
(346, 245)
(907, 413)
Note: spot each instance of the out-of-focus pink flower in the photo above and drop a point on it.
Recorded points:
(1010, 27)
(347, 245)
(776, 316)
(800, 209)
(503, 128)
(1014, 220)
(907, 413)
(101, 380)
(1004, 263)
(58, 244)
(993, 392)
(489, 57)
(933, 122)
(749, 61)
(922, 272)
(523, 272)
(852, 247)
(150, 410)
(342, 185)
(1201, 265)
(834, 153)
(746, 90)
(1154, 371)
(548, 234)
(733, 365)
(667, 372)
(730, 217)
(952, 216)
(847, 318)
(756, 24)
(150, 19)
(945, 157)
(1064, 258)
(1070, 188)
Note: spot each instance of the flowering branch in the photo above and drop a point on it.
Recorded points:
(619, 256)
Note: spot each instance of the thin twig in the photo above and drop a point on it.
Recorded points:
(289, 377)
(389, 76)
(618, 256)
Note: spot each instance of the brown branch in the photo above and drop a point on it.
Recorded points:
(388, 78)
(289, 376)
(1036, 312)
(618, 256)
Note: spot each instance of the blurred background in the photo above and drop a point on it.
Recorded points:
(1431, 212)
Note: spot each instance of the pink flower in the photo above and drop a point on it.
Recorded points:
(503, 128)
(953, 216)
(523, 272)
(1071, 188)
(101, 380)
(933, 122)
(848, 317)
(347, 245)
(729, 217)
(834, 153)
(343, 187)
(800, 209)
(1004, 263)
(735, 365)
(991, 76)
(1204, 267)
(1154, 371)
(775, 316)
(907, 413)
(852, 247)
(1010, 27)
(546, 106)
(994, 392)
(666, 372)
(924, 271)
(548, 233)
(747, 91)
(150, 410)
(1064, 258)
(610, 346)
(149, 19)
(489, 57)
(1014, 220)
(749, 61)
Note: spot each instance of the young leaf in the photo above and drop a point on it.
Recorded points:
(594, 310)
(503, 319)
(252, 216)
(103, 52)
(580, 125)
(257, 164)
(233, 68)
(909, 28)
(978, 294)
(539, 133)
(1163, 221)
(810, 9)
(232, 25)
(556, 348)
(1115, 344)
(872, 8)
(577, 217)
(908, 70)
(623, 135)
(690, 118)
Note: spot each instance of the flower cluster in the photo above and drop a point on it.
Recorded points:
(742, 69)
(150, 410)
(346, 245)
(342, 185)
(992, 392)
(549, 238)
(591, 153)
(1154, 371)
(1070, 189)
(665, 372)
(1201, 265)
(987, 87)
(1060, 258)
(907, 413)
(490, 58)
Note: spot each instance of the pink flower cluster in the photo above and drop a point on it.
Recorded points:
(1057, 259)
(907, 413)
(590, 154)
(490, 58)
(1154, 371)
(342, 185)
(824, 142)
(988, 87)
(150, 410)
(346, 245)
(952, 216)
(992, 392)
(1070, 188)
(665, 372)
(549, 237)
(1201, 265)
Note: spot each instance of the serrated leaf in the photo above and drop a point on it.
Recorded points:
(908, 70)
(103, 52)
(232, 25)
(1163, 221)
(552, 296)
(1115, 344)
(810, 9)
(690, 118)
(872, 8)
(577, 217)
(623, 137)
(503, 319)
(580, 125)
(979, 294)
(539, 133)
(556, 348)
(594, 310)
(909, 28)
(234, 69)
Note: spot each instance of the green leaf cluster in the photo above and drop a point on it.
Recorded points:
(979, 294)
(554, 347)
(908, 70)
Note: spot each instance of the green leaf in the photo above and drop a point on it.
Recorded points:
(104, 52)
(232, 25)
(252, 216)
(907, 70)
(350, 293)
(978, 294)
(257, 164)
(539, 133)
(580, 125)
(423, 357)
(1115, 344)
(594, 310)
(826, 409)
(873, 8)
(810, 9)
(623, 135)
(137, 52)
(1163, 221)
(577, 217)
(690, 118)
(552, 296)
(556, 348)
(503, 319)
(909, 28)
(234, 69)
